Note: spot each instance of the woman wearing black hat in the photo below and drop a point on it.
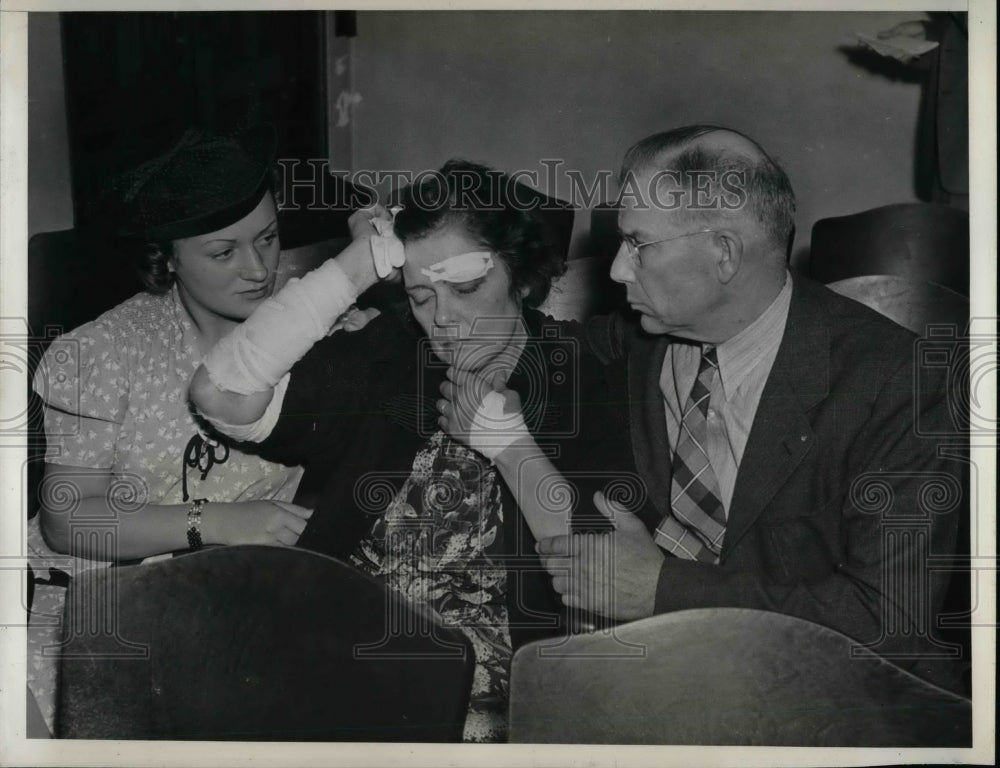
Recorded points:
(122, 444)
(424, 428)
(124, 452)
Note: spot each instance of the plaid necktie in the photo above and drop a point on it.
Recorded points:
(696, 525)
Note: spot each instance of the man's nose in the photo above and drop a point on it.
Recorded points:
(621, 267)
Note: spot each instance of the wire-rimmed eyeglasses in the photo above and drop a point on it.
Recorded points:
(633, 247)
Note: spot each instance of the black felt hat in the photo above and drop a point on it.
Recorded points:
(203, 183)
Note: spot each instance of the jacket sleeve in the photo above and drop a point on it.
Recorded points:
(598, 456)
(605, 336)
(900, 502)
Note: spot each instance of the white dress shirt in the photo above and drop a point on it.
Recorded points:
(745, 362)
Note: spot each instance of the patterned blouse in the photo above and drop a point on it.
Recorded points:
(449, 537)
(430, 546)
(115, 395)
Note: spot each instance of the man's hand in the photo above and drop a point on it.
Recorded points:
(608, 574)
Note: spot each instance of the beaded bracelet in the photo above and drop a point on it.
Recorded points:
(194, 524)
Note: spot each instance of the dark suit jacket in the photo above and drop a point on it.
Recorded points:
(835, 508)
(360, 405)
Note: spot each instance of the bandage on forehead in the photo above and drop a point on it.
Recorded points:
(460, 268)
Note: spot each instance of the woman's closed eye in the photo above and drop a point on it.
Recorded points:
(464, 289)
(420, 297)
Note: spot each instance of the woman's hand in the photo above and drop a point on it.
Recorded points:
(355, 319)
(358, 260)
(462, 393)
(254, 522)
(481, 412)
(361, 221)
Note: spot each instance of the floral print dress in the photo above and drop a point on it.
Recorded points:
(432, 545)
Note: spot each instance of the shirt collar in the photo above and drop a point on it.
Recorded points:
(742, 353)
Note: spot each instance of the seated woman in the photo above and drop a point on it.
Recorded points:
(117, 419)
(122, 445)
(430, 432)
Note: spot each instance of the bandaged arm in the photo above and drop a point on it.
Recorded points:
(241, 381)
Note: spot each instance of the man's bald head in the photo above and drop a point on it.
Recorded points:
(743, 174)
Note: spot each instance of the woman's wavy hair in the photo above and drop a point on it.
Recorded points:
(496, 211)
(152, 266)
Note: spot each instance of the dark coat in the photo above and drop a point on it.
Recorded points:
(841, 502)
(360, 405)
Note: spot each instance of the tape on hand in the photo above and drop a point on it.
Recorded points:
(387, 249)
(492, 430)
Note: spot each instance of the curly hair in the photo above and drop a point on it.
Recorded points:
(153, 266)
(500, 214)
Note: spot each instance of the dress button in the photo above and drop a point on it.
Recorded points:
(711, 413)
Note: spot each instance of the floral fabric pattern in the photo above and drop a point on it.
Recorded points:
(432, 545)
(115, 396)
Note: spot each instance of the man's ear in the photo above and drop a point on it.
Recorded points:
(729, 246)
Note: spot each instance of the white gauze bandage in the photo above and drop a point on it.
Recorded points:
(492, 430)
(387, 249)
(258, 352)
(460, 268)
(256, 431)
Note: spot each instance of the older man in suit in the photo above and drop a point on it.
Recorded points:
(774, 423)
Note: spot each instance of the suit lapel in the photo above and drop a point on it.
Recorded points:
(648, 418)
(781, 435)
